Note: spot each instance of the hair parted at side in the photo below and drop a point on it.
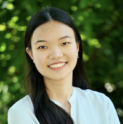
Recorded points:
(45, 110)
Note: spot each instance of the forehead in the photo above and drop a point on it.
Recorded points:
(51, 30)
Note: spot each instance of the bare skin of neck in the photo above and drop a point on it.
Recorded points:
(66, 107)
(60, 91)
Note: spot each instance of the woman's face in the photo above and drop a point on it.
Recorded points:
(54, 42)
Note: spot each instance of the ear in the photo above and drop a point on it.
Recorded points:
(29, 52)
(77, 44)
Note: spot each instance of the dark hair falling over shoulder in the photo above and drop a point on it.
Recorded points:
(45, 110)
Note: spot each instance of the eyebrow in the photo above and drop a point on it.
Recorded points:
(58, 39)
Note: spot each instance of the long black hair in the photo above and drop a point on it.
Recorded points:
(45, 110)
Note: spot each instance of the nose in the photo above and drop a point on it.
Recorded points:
(55, 54)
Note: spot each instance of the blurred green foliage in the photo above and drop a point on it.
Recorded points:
(100, 23)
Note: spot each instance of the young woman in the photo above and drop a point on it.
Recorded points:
(56, 78)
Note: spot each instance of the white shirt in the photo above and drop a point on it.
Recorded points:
(87, 107)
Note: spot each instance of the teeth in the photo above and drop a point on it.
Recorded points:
(57, 65)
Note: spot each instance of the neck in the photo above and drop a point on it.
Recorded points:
(59, 90)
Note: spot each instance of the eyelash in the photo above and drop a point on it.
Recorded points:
(62, 43)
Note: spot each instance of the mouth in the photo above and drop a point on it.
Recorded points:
(57, 66)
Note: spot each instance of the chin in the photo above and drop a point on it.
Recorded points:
(58, 78)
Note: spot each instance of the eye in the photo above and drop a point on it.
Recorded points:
(42, 47)
(65, 43)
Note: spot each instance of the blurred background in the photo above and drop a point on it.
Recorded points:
(100, 23)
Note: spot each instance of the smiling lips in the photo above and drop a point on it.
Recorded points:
(57, 65)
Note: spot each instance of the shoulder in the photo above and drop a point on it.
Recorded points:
(24, 104)
(22, 112)
(98, 103)
(92, 96)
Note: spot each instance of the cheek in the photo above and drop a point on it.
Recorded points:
(72, 51)
(38, 58)
(40, 63)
